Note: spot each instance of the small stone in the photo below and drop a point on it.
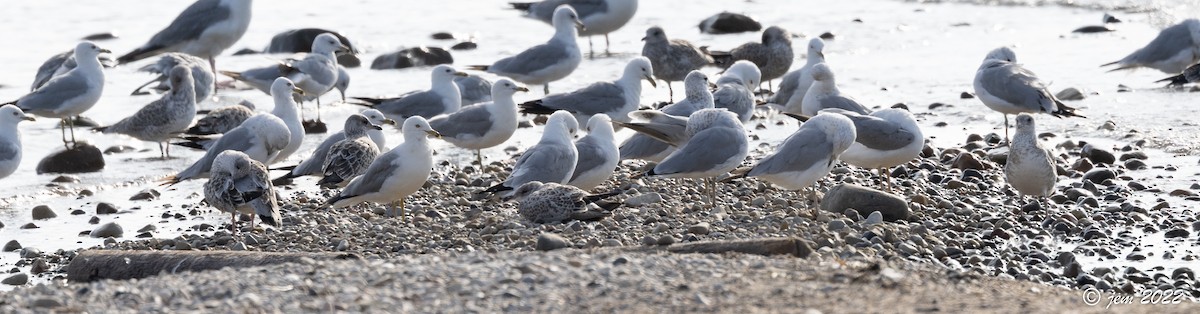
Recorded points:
(94, 220)
(11, 245)
(1136, 164)
(39, 266)
(442, 36)
(967, 160)
(1137, 154)
(966, 95)
(550, 242)
(837, 224)
(104, 208)
(466, 45)
(873, 219)
(666, 240)
(644, 199)
(865, 200)
(1097, 155)
(29, 226)
(108, 230)
(1099, 175)
(119, 149)
(65, 179)
(100, 36)
(145, 195)
(148, 228)
(16, 280)
(957, 184)
(46, 303)
(1070, 93)
(827, 36)
(700, 228)
(41, 212)
(1177, 233)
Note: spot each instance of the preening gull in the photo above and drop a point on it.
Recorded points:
(239, 185)
(283, 91)
(548, 62)
(70, 94)
(795, 84)
(735, 89)
(1030, 168)
(205, 29)
(824, 94)
(314, 164)
(351, 156)
(616, 99)
(442, 97)
(396, 174)
(483, 125)
(552, 159)
(599, 17)
(773, 55)
(202, 76)
(262, 137)
(10, 138)
(1007, 87)
(644, 147)
(160, 120)
(598, 154)
(552, 202)
(1173, 50)
(672, 59)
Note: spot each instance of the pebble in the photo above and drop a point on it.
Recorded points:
(1177, 233)
(41, 212)
(146, 195)
(107, 230)
(1134, 155)
(1070, 93)
(105, 208)
(30, 252)
(39, 266)
(865, 200)
(873, 219)
(966, 160)
(16, 280)
(29, 226)
(966, 95)
(1097, 155)
(644, 199)
(550, 242)
(11, 245)
(1099, 175)
(65, 179)
(1136, 164)
(702, 228)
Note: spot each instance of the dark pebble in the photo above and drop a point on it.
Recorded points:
(65, 179)
(550, 242)
(81, 158)
(1134, 155)
(1177, 233)
(1136, 164)
(29, 226)
(1097, 155)
(1099, 175)
(43, 212)
(100, 36)
(827, 36)
(442, 36)
(145, 195)
(466, 45)
(104, 208)
(966, 95)
(12, 245)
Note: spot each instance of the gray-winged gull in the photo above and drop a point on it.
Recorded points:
(548, 62)
(1174, 49)
(824, 94)
(396, 174)
(69, 94)
(10, 138)
(713, 143)
(315, 74)
(644, 147)
(598, 154)
(221, 120)
(204, 29)
(795, 84)
(483, 125)
(808, 154)
(552, 159)
(735, 89)
(442, 97)
(599, 17)
(886, 138)
(1007, 87)
(202, 77)
(616, 99)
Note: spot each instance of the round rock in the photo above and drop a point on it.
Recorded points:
(79, 159)
(41, 212)
(108, 230)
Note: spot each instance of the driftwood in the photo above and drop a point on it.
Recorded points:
(768, 246)
(94, 265)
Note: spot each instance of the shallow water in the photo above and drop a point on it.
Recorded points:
(915, 53)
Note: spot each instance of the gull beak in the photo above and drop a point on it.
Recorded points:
(345, 49)
(462, 74)
(712, 85)
(28, 118)
(579, 24)
(651, 79)
(434, 133)
(389, 121)
(643, 38)
(822, 54)
(522, 89)
(105, 50)
(298, 91)
(376, 127)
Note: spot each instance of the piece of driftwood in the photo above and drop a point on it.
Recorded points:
(768, 246)
(94, 265)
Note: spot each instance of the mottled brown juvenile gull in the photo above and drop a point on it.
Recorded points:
(1173, 50)
(222, 119)
(484, 125)
(205, 29)
(69, 94)
(672, 59)
(598, 154)
(552, 202)
(773, 55)
(599, 17)
(548, 62)
(615, 99)
(351, 156)
(1007, 87)
(396, 174)
(1030, 168)
(160, 120)
(10, 138)
(442, 97)
(315, 163)
(239, 185)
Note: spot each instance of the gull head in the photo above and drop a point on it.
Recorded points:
(376, 117)
(599, 122)
(1002, 54)
(747, 71)
(524, 190)
(565, 120)
(89, 50)
(343, 82)
(816, 48)
(415, 124)
(181, 76)
(328, 43)
(231, 162)
(821, 72)
(358, 125)
(696, 81)
(506, 88)
(1025, 123)
(563, 15)
(655, 35)
(641, 67)
(445, 73)
(284, 86)
(13, 115)
(776, 34)
(838, 128)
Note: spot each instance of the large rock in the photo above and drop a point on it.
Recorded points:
(16, 280)
(865, 200)
(300, 40)
(43, 212)
(108, 230)
(729, 23)
(412, 57)
(83, 157)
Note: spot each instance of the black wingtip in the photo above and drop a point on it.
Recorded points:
(478, 67)
(1178, 80)
(192, 145)
(535, 107)
(100, 129)
(497, 189)
(523, 6)
(330, 181)
(136, 54)
(283, 180)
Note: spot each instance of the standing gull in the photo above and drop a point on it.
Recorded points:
(735, 89)
(442, 97)
(205, 29)
(807, 155)
(10, 138)
(672, 59)
(70, 94)
(824, 94)
(598, 154)
(160, 120)
(221, 120)
(773, 56)
(262, 137)
(713, 143)
(315, 74)
(616, 99)
(351, 156)
(552, 159)
(886, 138)
(644, 147)
(552, 202)
(315, 163)
(283, 91)
(59, 64)
(202, 77)
(396, 174)
(484, 125)
(1029, 169)
(239, 185)
(599, 17)
(796, 83)
(1007, 87)
(1173, 50)
(545, 63)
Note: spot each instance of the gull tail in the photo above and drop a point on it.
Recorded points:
(1064, 111)
(802, 118)
(366, 101)
(170, 180)
(139, 91)
(496, 189)
(722, 59)
(285, 179)
(535, 107)
(1177, 80)
(101, 129)
(192, 145)
(234, 75)
(523, 6)
(139, 54)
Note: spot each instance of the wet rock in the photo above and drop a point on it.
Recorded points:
(1082, 165)
(105, 208)
(100, 36)
(966, 160)
(46, 303)
(966, 95)
(146, 195)
(466, 45)
(11, 245)
(1136, 164)
(998, 155)
(29, 226)
(865, 200)
(1097, 155)
(30, 252)
(827, 36)
(16, 280)
(65, 179)
(119, 149)
(108, 230)
(1070, 93)
(644, 199)
(41, 212)
(93, 220)
(81, 158)
(412, 57)
(729, 23)
(442, 36)
(39, 266)
(550, 242)
(1177, 233)
(300, 40)
(1090, 29)
(1099, 175)
(1137, 154)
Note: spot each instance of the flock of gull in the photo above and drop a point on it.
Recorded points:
(701, 136)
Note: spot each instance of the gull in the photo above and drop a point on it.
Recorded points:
(396, 174)
(343, 82)
(442, 97)
(483, 125)
(1007, 87)
(315, 163)
(824, 94)
(202, 77)
(59, 64)
(1189, 75)
(713, 143)
(552, 202)
(616, 99)
(262, 137)
(351, 156)
(796, 83)
(1030, 168)
(672, 59)
(205, 29)
(315, 74)
(160, 120)
(598, 154)
(886, 138)
(222, 119)
(545, 63)
(552, 159)
(287, 110)
(645, 147)
(735, 89)
(773, 56)
(70, 94)
(474, 89)
(239, 185)
(808, 154)
(10, 138)
(1173, 50)
(599, 17)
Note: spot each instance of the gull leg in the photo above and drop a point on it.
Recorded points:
(607, 53)
(161, 152)
(252, 218)
(71, 125)
(479, 158)
(1006, 139)
(62, 127)
(591, 51)
(887, 178)
(401, 209)
(318, 109)
(670, 92)
(546, 88)
(212, 65)
(233, 222)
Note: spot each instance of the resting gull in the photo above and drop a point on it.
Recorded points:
(824, 94)
(886, 138)
(70, 94)
(222, 119)
(644, 147)
(315, 163)
(202, 77)
(239, 185)
(808, 154)
(598, 154)
(315, 74)
(441, 98)
(552, 159)
(552, 202)
(735, 89)
(351, 156)
(713, 143)
(1007, 87)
